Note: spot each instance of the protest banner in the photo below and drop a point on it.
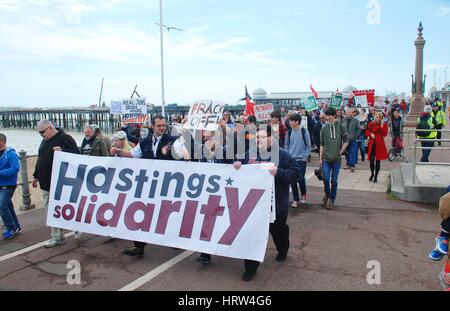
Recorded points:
(361, 101)
(134, 111)
(116, 107)
(205, 115)
(336, 101)
(202, 207)
(311, 104)
(262, 112)
(370, 96)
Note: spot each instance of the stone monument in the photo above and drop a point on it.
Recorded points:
(418, 100)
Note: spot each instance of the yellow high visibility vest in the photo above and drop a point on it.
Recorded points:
(440, 117)
(433, 134)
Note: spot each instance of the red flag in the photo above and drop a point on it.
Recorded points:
(250, 106)
(316, 96)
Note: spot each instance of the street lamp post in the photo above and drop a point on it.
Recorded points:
(162, 57)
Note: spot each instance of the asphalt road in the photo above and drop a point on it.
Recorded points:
(330, 250)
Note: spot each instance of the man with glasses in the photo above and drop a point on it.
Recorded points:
(154, 147)
(52, 140)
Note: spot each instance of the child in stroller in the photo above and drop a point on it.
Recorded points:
(396, 127)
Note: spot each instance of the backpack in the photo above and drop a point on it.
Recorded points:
(303, 135)
(423, 128)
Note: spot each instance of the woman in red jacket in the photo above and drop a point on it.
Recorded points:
(377, 130)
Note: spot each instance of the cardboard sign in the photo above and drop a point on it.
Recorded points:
(361, 101)
(262, 112)
(336, 101)
(134, 111)
(311, 104)
(202, 207)
(205, 115)
(116, 107)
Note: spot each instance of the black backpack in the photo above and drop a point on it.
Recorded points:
(423, 128)
(303, 135)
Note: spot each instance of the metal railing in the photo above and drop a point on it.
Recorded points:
(416, 148)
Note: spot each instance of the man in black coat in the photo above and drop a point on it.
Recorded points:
(154, 147)
(285, 172)
(53, 140)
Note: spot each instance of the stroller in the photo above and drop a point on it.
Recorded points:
(397, 150)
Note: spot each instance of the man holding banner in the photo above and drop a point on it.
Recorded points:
(155, 147)
(286, 172)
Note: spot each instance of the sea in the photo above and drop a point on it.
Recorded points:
(30, 140)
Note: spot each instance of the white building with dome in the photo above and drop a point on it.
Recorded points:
(261, 96)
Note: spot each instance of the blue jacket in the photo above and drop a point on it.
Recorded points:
(9, 168)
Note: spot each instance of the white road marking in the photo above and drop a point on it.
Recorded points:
(154, 273)
(30, 249)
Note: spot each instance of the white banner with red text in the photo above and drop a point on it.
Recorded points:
(202, 207)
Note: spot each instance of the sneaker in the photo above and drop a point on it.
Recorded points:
(330, 205)
(9, 234)
(352, 169)
(295, 204)
(204, 259)
(442, 245)
(248, 276)
(436, 255)
(78, 235)
(54, 243)
(304, 199)
(18, 230)
(325, 200)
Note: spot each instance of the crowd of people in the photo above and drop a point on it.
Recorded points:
(288, 140)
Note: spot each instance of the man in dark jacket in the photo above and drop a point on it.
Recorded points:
(353, 131)
(53, 140)
(154, 147)
(285, 173)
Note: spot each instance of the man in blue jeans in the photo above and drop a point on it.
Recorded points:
(9, 168)
(333, 143)
(298, 145)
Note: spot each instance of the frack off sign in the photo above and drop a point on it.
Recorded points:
(134, 110)
(208, 208)
(205, 115)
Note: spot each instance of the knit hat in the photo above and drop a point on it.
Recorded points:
(120, 135)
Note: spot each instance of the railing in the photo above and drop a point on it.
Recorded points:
(415, 148)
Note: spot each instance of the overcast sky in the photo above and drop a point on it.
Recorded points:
(56, 52)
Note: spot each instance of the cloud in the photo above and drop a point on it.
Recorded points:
(76, 10)
(9, 5)
(111, 3)
(45, 21)
(444, 11)
(40, 3)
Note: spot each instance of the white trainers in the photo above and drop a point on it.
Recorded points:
(78, 235)
(54, 243)
(304, 199)
(295, 204)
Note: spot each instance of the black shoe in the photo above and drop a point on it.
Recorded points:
(204, 259)
(371, 178)
(135, 252)
(248, 276)
(375, 180)
(281, 257)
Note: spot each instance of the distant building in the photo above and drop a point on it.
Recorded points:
(443, 94)
(260, 96)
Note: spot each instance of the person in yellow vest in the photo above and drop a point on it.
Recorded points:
(426, 129)
(440, 121)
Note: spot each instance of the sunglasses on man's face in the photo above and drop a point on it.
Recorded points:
(42, 132)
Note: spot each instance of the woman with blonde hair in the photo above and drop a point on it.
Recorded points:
(376, 131)
(120, 142)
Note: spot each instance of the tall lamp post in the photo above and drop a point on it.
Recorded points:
(161, 29)
(162, 57)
